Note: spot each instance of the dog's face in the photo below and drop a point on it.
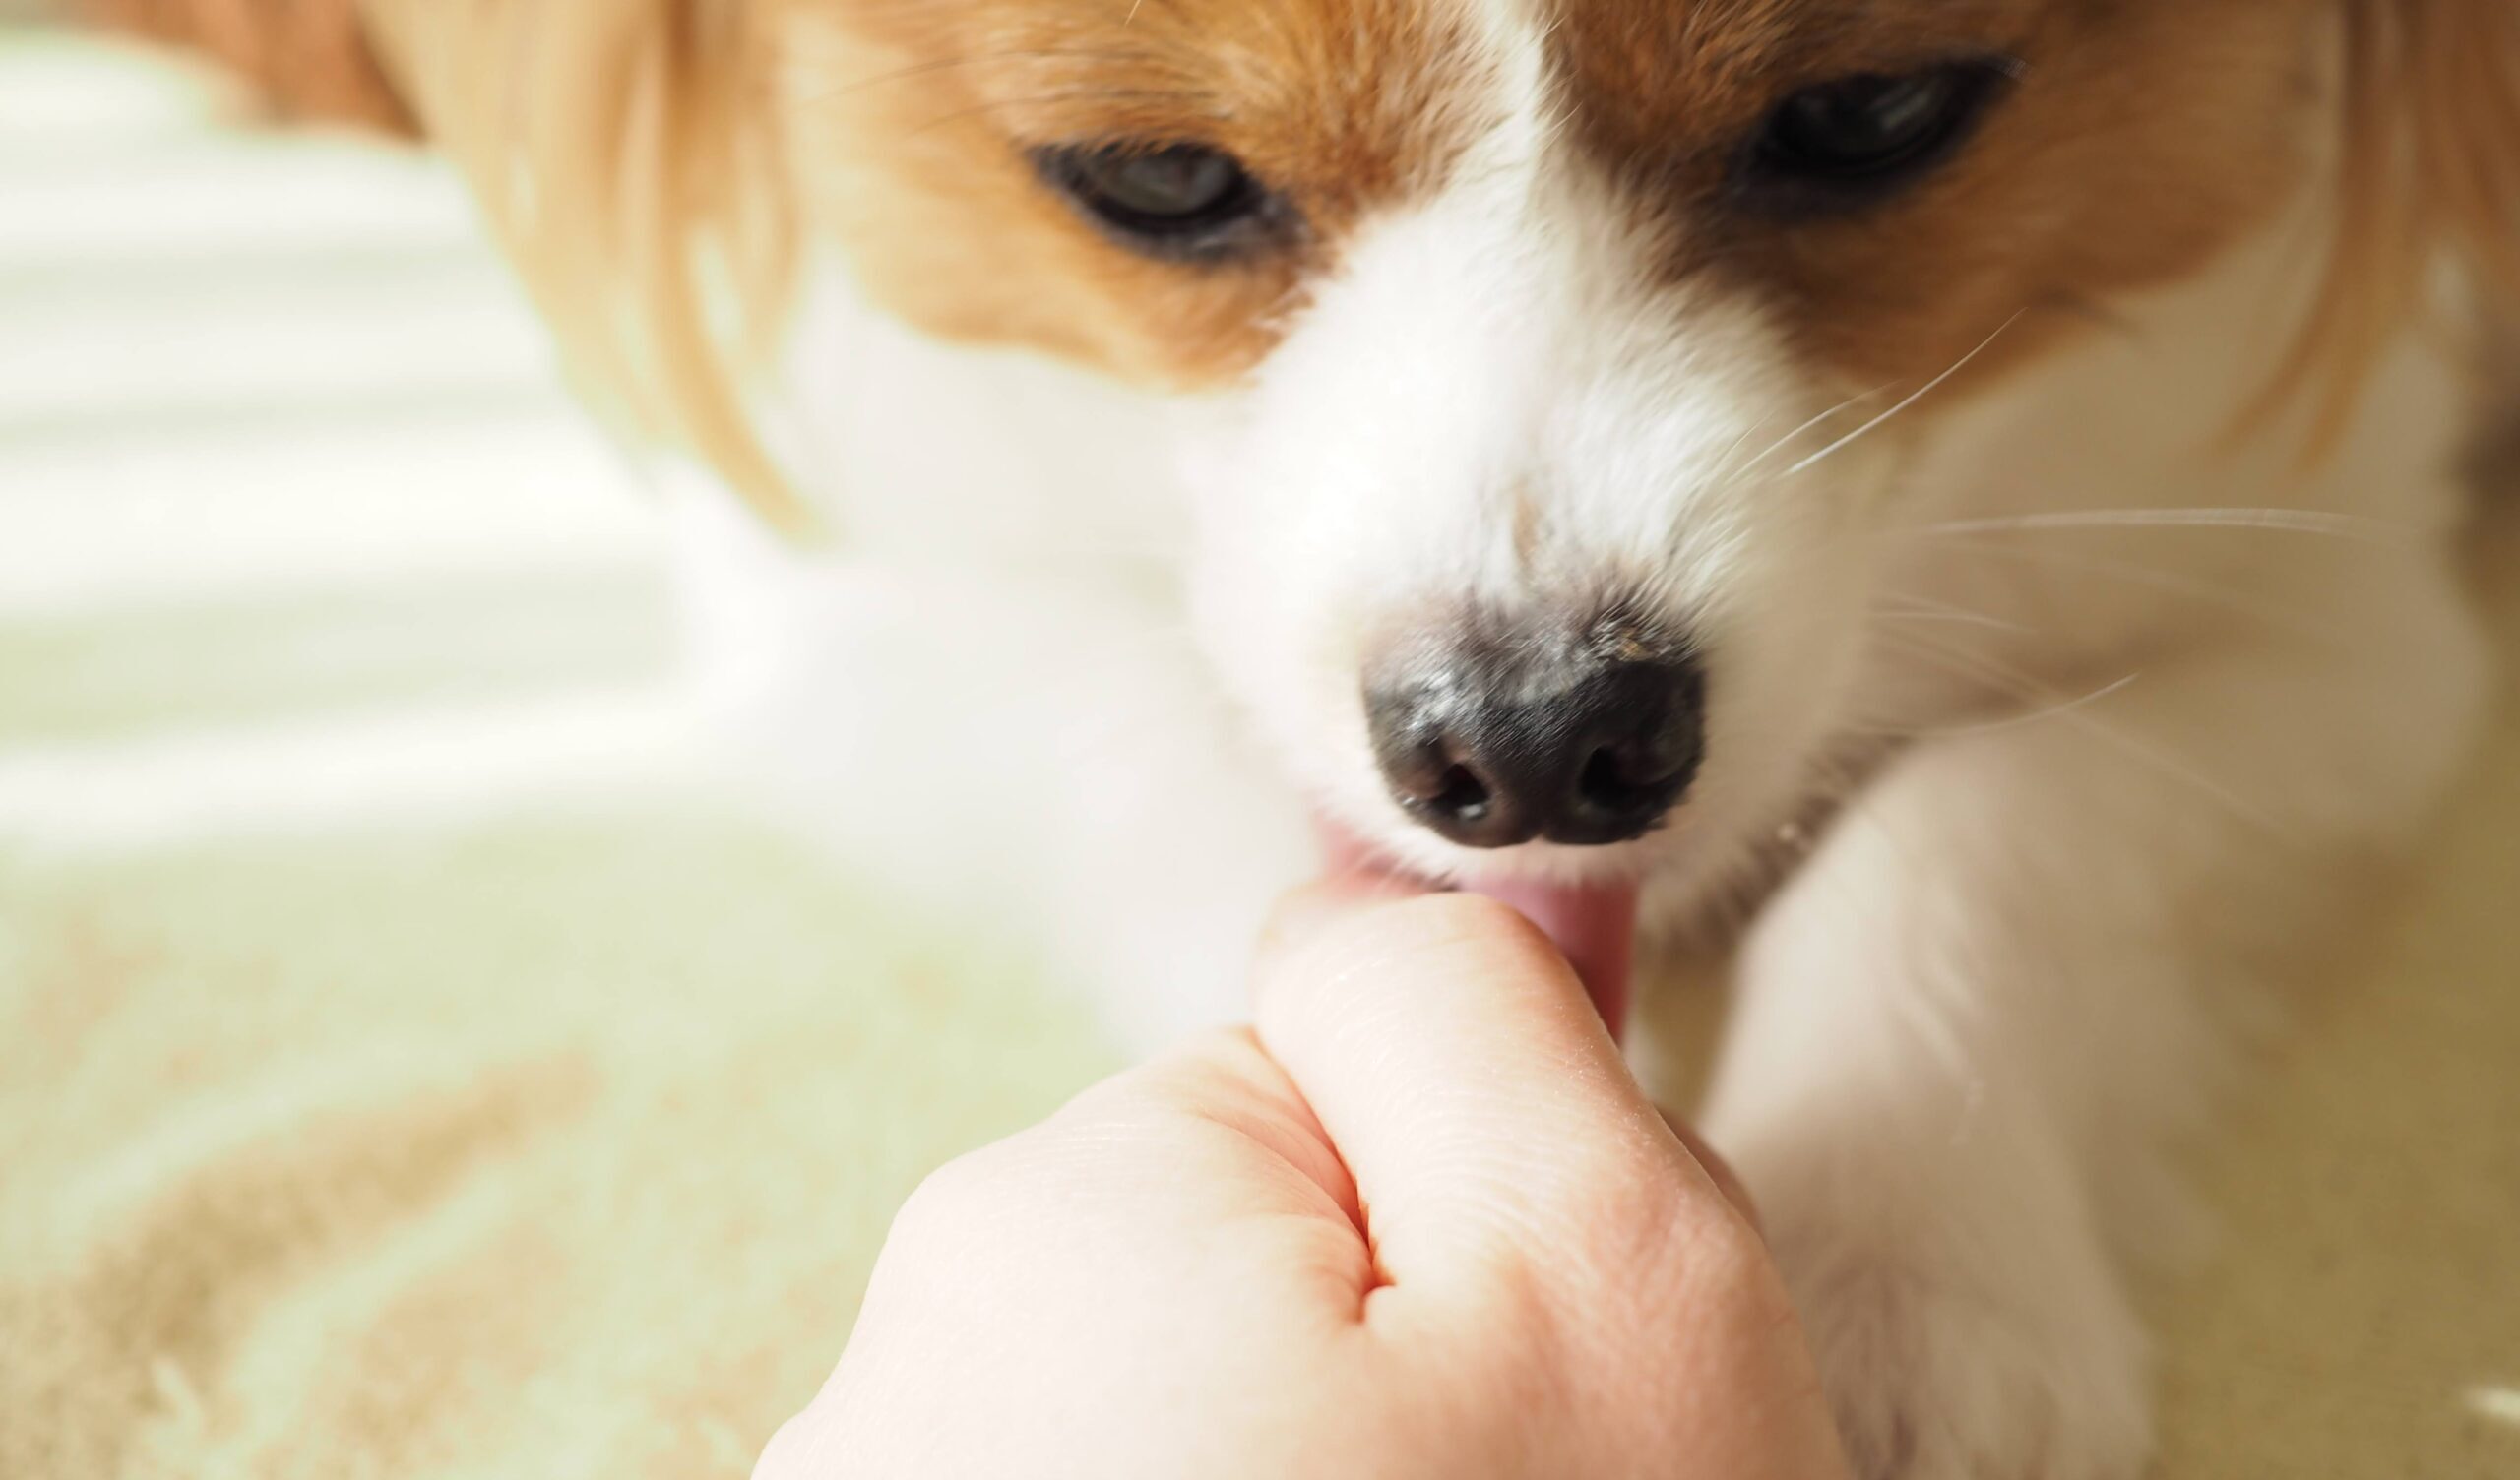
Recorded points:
(1534, 337)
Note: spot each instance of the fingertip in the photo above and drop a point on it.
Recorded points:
(1457, 1067)
(1303, 915)
(1392, 935)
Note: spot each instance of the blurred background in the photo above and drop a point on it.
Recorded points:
(412, 1062)
(298, 518)
(415, 1064)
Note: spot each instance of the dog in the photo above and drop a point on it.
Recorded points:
(1957, 500)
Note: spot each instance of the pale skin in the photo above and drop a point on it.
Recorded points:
(1418, 1221)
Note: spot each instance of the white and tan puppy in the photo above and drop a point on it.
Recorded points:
(1957, 493)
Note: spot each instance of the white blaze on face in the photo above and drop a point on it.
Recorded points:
(1497, 401)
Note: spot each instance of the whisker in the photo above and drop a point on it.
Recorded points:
(2171, 766)
(1948, 619)
(1921, 608)
(2285, 521)
(1741, 474)
(1953, 661)
(1734, 446)
(2040, 715)
(1922, 392)
(2226, 599)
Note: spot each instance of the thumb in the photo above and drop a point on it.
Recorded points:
(1457, 1066)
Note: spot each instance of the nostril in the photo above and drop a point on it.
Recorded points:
(1461, 795)
(1611, 783)
(1604, 782)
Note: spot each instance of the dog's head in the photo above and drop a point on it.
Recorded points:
(1548, 346)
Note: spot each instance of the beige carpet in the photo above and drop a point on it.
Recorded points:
(2361, 1319)
(542, 1152)
(408, 1071)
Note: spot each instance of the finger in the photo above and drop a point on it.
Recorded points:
(1226, 1081)
(1463, 1075)
(1303, 915)
(1357, 877)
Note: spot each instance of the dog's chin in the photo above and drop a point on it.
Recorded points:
(1590, 916)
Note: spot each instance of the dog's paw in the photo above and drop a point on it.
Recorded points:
(1944, 1366)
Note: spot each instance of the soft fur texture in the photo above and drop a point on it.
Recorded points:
(2068, 542)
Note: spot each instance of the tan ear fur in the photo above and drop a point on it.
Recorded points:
(310, 60)
(626, 151)
(2428, 172)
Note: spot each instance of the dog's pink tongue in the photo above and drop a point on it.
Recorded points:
(1595, 927)
(1597, 930)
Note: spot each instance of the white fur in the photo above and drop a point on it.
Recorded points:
(1974, 1020)
(1974, 1015)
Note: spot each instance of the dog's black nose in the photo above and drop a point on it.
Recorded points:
(1499, 733)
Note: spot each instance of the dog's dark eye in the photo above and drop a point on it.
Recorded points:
(1858, 138)
(1178, 200)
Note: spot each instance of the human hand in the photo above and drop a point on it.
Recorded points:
(1420, 1222)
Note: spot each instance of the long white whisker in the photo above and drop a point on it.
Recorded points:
(1922, 392)
(1947, 618)
(1747, 433)
(2286, 521)
(2036, 717)
(2072, 713)
(1920, 608)
(1785, 441)
(2283, 619)
(1959, 663)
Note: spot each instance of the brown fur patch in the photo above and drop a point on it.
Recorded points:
(655, 163)
(912, 128)
(2429, 166)
(2142, 138)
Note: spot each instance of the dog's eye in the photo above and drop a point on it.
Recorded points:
(1858, 138)
(1178, 200)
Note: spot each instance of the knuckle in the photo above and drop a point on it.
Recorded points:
(791, 1453)
(947, 1197)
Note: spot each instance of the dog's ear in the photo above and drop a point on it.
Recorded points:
(627, 153)
(2429, 170)
(621, 148)
(310, 58)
